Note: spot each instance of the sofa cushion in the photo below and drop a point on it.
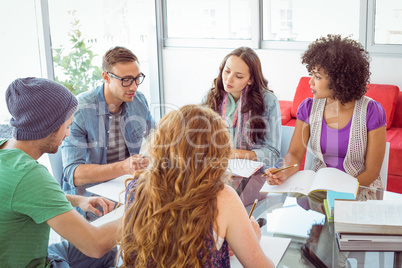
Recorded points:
(397, 120)
(387, 96)
(394, 184)
(303, 92)
(291, 122)
(394, 136)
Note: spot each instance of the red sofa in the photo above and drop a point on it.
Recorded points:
(390, 98)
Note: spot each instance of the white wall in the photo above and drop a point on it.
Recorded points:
(189, 72)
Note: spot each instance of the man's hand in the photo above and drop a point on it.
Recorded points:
(89, 204)
(135, 162)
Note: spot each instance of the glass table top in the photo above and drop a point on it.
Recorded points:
(313, 243)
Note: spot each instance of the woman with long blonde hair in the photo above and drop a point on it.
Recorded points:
(179, 212)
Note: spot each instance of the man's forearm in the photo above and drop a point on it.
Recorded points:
(92, 173)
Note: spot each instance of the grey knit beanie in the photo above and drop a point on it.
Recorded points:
(38, 107)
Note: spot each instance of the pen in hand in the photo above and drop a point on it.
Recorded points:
(279, 170)
(252, 208)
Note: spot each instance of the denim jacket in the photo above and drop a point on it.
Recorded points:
(268, 148)
(89, 133)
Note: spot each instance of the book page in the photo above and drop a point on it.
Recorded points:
(299, 182)
(335, 180)
(373, 212)
(373, 216)
(273, 247)
(243, 167)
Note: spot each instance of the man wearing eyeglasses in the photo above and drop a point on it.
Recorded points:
(109, 126)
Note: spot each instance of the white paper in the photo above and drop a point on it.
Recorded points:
(273, 247)
(111, 216)
(243, 167)
(113, 189)
(292, 221)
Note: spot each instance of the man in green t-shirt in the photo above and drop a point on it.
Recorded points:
(31, 201)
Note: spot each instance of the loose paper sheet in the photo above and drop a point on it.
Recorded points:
(273, 247)
(243, 167)
(113, 189)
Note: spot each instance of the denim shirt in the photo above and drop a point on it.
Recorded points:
(89, 133)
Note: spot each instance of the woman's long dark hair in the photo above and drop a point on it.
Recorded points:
(254, 98)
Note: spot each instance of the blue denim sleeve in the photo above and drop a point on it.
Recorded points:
(268, 150)
(73, 150)
(150, 121)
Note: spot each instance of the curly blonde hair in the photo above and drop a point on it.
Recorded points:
(175, 203)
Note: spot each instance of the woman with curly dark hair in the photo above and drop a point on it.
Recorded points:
(250, 110)
(346, 129)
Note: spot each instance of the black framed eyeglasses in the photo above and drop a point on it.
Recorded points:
(126, 82)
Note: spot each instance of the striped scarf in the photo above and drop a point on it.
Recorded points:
(240, 121)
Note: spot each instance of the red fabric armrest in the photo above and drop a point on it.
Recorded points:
(397, 120)
(285, 111)
(303, 91)
(387, 96)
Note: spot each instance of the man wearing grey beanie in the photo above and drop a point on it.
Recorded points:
(32, 201)
(109, 127)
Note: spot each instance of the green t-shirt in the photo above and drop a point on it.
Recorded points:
(29, 196)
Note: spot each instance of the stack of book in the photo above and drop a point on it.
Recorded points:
(329, 202)
(374, 225)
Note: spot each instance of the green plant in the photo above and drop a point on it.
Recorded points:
(77, 68)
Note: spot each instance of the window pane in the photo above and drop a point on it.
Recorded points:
(388, 22)
(306, 20)
(19, 51)
(223, 19)
(82, 31)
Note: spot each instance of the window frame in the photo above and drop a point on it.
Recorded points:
(211, 42)
(366, 34)
(370, 41)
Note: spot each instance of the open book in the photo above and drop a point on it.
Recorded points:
(308, 181)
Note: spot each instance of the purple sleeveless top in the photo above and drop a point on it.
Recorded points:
(219, 258)
(334, 142)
